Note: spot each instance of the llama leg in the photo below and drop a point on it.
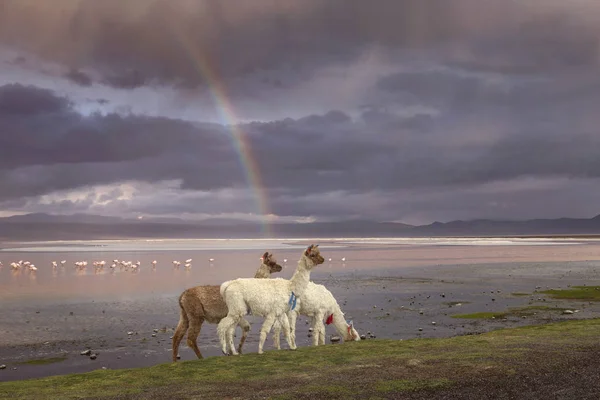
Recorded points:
(319, 329)
(276, 335)
(285, 322)
(223, 329)
(192, 337)
(266, 327)
(292, 316)
(182, 327)
(313, 325)
(245, 329)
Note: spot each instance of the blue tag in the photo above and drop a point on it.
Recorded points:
(292, 302)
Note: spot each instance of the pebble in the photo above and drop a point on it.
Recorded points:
(2, 366)
(363, 337)
(335, 339)
(155, 330)
(93, 356)
(432, 322)
(130, 333)
(420, 329)
(568, 312)
(310, 329)
(154, 335)
(86, 352)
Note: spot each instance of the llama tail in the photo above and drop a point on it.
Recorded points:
(224, 287)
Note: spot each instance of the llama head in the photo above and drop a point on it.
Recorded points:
(351, 333)
(314, 254)
(269, 260)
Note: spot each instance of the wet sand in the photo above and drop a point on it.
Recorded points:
(392, 290)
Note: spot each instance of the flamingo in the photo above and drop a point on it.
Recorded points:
(54, 264)
(154, 263)
(32, 267)
(63, 262)
(189, 260)
(343, 259)
(211, 259)
(187, 265)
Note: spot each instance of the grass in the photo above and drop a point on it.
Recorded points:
(365, 369)
(511, 312)
(43, 361)
(590, 293)
(519, 294)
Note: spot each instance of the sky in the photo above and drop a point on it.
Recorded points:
(301, 110)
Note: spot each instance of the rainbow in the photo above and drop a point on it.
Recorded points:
(239, 138)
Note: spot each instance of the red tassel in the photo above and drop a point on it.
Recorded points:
(329, 319)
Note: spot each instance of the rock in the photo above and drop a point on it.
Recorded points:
(373, 336)
(335, 339)
(369, 332)
(154, 335)
(568, 312)
(363, 337)
(155, 330)
(420, 329)
(86, 352)
(421, 312)
(432, 322)
(387, 313)
(2, 366)
(71, 313)
(130, 333)
(309, 335)
(414, 362)
(178, 356)
(93, 356)
(103, 367)
(310, 329)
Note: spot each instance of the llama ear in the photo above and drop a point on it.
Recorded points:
(266, 255)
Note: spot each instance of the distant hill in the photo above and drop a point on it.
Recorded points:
(86, 227)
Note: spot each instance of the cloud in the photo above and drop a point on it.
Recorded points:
(169, 40)
(404, 110)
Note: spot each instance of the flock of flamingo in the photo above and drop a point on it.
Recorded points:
(99, 265)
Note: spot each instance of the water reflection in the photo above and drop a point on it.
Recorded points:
(71, 279)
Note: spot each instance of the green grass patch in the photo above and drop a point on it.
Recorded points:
(407, 385)
(455, 303)
(43, 361)
(481, 315)
(511, 312)
(364, 369)
(590, 293)
(519, 294)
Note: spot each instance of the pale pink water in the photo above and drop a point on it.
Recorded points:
(240, 259)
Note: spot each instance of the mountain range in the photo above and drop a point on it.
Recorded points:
(40, 226)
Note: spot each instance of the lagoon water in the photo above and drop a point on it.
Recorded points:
(387, 286)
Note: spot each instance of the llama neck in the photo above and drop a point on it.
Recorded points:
(339, 322)
(300, 279)
(263, 272)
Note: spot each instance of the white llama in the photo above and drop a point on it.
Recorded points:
(204, 303)
(269, 298)
(318, 303)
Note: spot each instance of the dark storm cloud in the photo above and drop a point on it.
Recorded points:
(143, 41)
(46, 146)
(79, 77)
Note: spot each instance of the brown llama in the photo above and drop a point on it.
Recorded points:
(204, 303)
